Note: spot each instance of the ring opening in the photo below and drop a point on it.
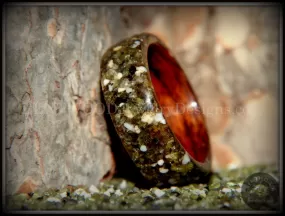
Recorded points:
(178, 102)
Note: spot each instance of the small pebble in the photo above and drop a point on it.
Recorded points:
(82, 192)
(118, 192)
(226, 190)
(117, 48)
(53, 199)
(118, 76)
(110, 87)
(123, 184)
(93, 189)
(63, 194)
(186, 158)
(110, 63)
(158, 193)
(106, 82)
(160, 162)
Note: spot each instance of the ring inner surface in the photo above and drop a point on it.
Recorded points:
(178, 103)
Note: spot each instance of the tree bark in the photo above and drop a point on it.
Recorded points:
(55, 131)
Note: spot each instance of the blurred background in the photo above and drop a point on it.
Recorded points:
(231, 57)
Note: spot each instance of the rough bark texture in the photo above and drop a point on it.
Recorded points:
(56, 133)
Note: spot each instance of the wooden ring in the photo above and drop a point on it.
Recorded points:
(155, 111)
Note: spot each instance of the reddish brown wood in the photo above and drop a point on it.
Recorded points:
(179, 104)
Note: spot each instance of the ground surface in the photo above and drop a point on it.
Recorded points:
(222, 193)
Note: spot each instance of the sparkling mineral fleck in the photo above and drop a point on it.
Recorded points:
(117, 48)
(160, 162)
(163, 170)
(135, 44)
(128, 113)
(129, 90)
(159, 118)
(132, 127)
(106, 82)
(121, 89)
(147, 117)
(140, 70)
(110, 63)
(118, 76)
(143, 148)
(186, 158)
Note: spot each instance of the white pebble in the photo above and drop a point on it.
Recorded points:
(118, 76)
(63, 194)
(129, 90)
(118, 192)
(107, 193)
(143, 148)
(238, 190)
(186, 158)
(173, 188)
(123, 185)
(226, 190)
(110, 87)
(128, 113)
(82, 192)
(93, 189)
(147, 117)
(110, 63)
(135, 44)
(159, 118)
(226, 204)
(111, 190)
(117, 48)
(201, 193)
(137, 130)
(121, 104)
(140, 70)
(121, 89)
(53, 199)
(132, 127)
(106, 82)
(158, 193)
(160, 162)
(163, 170)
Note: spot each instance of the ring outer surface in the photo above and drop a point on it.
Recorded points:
(138, 119)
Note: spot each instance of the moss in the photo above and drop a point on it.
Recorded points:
(219, 194)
